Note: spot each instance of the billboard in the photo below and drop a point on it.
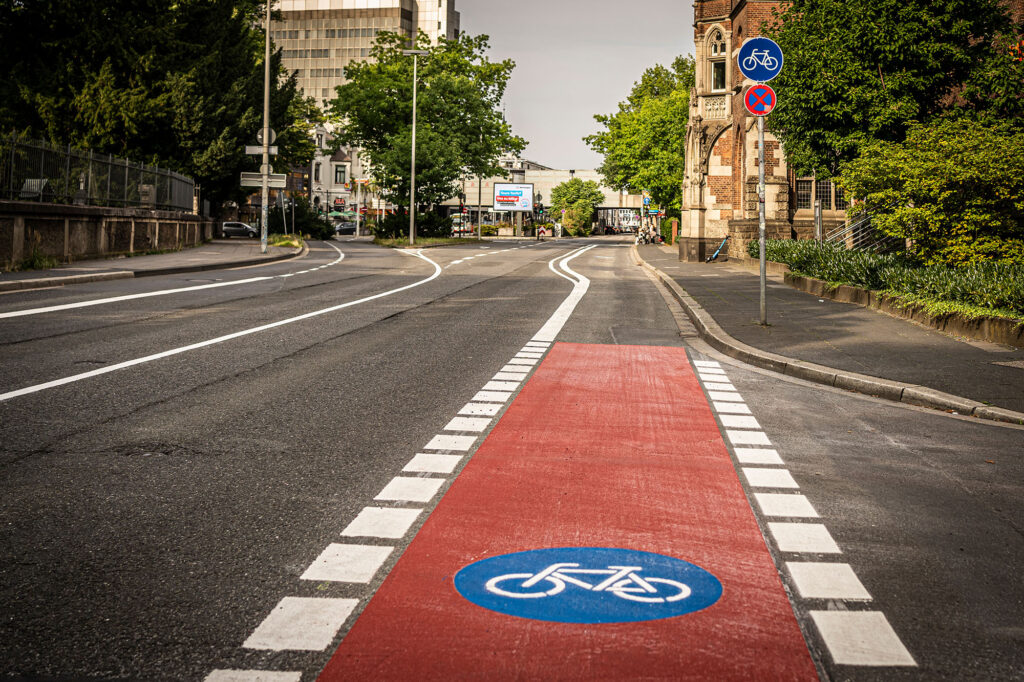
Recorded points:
(513, 197)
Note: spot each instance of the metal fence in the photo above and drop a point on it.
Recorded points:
(36, 171)
(861, 235)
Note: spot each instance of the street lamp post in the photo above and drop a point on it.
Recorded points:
(265, 168)
(412, 186)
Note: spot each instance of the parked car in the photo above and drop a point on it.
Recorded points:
(347, 227)
(239, 230)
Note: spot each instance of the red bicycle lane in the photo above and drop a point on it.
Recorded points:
(604, 447)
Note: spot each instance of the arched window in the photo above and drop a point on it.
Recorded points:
(717, 61)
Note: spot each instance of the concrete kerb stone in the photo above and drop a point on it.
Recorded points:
(46, 282)
(912, 394)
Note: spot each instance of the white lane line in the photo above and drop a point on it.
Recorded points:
(706, 363)
(769, 478)
(718, 386)
(347, 563)
(537, 344)
(405, 489)
(758, 456)
(812, 538)
(526, 362)
(481, 409)
(515, 369)
(444, 442)
(861, 638)
(747, 437)
(527, 354)
(473, 424)
(424, 463)
(128, 297)
(785, 505)
(253, 676)
(509, 376)
(301, 624)
(501, 386)
(555, 323)
(710, 370)
(381, 522)
(731, 408)
(723, 396)
(733, 421)
(819, 580)
(491, 397)
(704, 376)
(219, 339)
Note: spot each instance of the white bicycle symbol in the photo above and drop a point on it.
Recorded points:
(766, 60)
(622, 581)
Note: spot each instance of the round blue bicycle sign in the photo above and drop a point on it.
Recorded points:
(588, 585)
(760, 59)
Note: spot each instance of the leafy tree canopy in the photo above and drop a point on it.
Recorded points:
(863, 70)
(945, 189)
(579, 199)
(460, 129)
(175, 84)
(643, 144)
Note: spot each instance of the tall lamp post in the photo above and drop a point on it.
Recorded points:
(265, 167)
(412, 187)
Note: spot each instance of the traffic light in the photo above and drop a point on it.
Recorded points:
(541, 209)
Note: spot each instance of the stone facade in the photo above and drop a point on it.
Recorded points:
(721, 177)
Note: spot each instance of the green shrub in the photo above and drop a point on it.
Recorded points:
(994, 285)
(396, 225)
(37, 260)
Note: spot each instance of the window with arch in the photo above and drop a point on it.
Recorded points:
(717, 61)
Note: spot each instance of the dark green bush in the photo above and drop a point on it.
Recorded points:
(395, 226)
(989, 285)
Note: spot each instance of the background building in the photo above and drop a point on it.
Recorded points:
(318, 39)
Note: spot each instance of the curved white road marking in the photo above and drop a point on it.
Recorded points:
(165, 292)
(219, 339)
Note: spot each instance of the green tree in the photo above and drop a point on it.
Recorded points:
(175, 84)
(460, 129)
(579, 199)
(955, 188)
(643, 144)
(857, 71)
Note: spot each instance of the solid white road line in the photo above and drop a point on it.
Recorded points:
(785, 505)
(301, 624)
(725, 396)
(347, 563)
(483, 409)
(861, 638)
(718, 386)
(381, 522)
(473, 424)
(165, 292)
(731, 408)
(555, 323)
(733, 421)
(819, 580)
(219, 339)
(491, 397)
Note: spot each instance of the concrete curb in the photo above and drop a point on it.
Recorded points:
(912, 394)
(46, 282)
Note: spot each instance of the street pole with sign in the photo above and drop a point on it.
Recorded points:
(760, 59)
(412, 187)
(266, 141)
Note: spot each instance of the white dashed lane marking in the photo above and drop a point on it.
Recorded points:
(852, 637)
(433, 464)
(381, 522)
(253, 676)
(348, 563)
(405, 489)
(301, 624)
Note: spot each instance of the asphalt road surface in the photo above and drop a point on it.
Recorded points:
(510, 461)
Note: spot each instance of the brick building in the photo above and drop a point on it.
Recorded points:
(721, 176)
(720, 182)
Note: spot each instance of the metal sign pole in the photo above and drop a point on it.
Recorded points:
(760, 231)
(265, 169)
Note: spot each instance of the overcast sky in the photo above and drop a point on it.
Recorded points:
(574, 59)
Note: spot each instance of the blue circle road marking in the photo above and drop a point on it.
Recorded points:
(759, 100)
(760, 59)
(588, 585)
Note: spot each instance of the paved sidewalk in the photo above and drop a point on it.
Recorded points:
(845, 337)
(220, 253)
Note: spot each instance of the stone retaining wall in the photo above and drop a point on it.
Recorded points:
(70, 233)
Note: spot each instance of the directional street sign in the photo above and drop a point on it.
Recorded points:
(276, 181)
(759, 100)
(760, 59)
(255, 150)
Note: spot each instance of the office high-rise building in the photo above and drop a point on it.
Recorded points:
(319, 38)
